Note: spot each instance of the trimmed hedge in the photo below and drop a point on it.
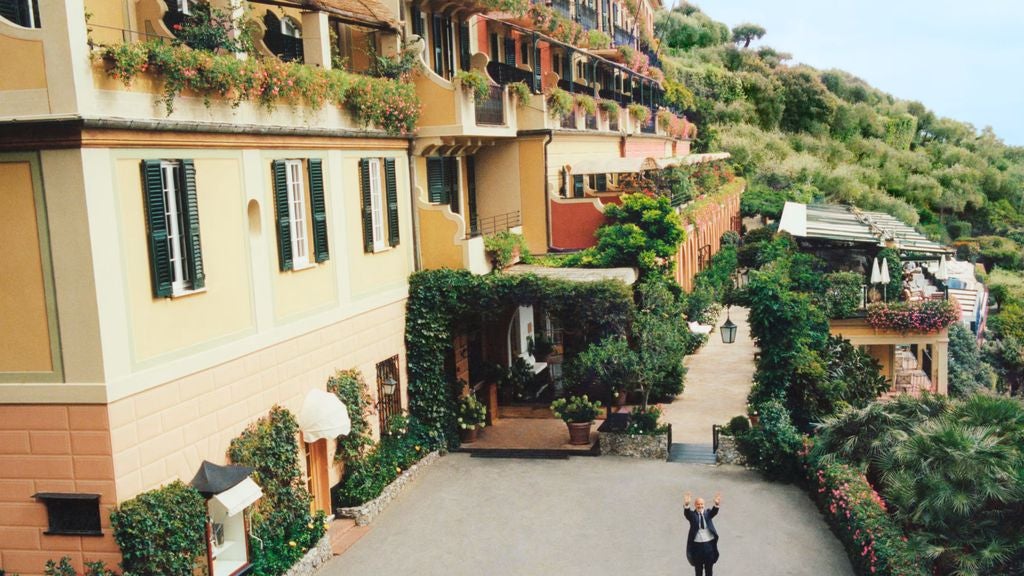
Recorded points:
(162, 531)
(404, 444)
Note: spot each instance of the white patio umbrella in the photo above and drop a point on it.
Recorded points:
(876, 276)
(323, 415)
(885, 272)
(943, 272)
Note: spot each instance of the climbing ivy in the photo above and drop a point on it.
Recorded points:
(440, 301)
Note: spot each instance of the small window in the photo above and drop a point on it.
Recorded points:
(73, 514)
(291, 28)
(524, 51)
(376, 205)
(300, 216)
(22, 12)
(389, 391)
(297, 213)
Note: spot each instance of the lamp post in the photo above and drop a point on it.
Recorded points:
(388, 386)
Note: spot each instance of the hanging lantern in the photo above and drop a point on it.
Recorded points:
(728, 330)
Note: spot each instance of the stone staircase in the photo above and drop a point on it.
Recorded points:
(692, 453)
(344, 533)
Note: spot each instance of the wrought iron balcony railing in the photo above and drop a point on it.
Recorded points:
(491, 111)
(505, 74)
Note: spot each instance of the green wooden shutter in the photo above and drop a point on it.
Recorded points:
(193, 246)
(417, 21)
(577, 186)
(449, 48)
(364, 183)
(318, 210)
(156, 228)
(437, 31)
(494, 48)
(284, 224)
(510, 51)
(391, 190)
(474, 227)
(451, 183)
(602, 182)
(536, 65)
(464, 46)
(435, 180)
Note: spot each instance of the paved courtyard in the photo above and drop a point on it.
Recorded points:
(587, 516)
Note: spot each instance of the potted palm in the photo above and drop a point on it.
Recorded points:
(472, 418)
(578, 413)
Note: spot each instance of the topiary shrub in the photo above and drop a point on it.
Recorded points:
(737, 425)
(281, 525)
(162, 531)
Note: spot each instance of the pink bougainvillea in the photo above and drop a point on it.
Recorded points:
(920, 317)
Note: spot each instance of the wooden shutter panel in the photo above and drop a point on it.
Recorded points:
(438, 41)
(464, 46)
(156, 228)
(449, 48)
(536, 65)
(435, 180)
(194, 247)
(577, 186)
(318, 209)
(417, 21)
(364, 183)
(391, 190)
(510, 51)
(602, 182)
(474, 227)
(451, 183)
(284, 224)
(494, 48)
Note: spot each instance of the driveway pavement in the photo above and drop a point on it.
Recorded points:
(587, 516)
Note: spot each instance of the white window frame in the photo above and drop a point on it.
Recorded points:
(289, 27)
(180, 282)
(377, 206)
(185, 6)
(297, 213)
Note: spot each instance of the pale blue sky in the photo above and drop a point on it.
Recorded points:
(962, 59)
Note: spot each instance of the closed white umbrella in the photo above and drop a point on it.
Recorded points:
(876, 276)
(885, 272)
(943, 272)
(323, 415)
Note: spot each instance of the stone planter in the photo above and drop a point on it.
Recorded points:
(728, 453)
(579, 433)
(311, 562)
(364, 514)
(654, 446)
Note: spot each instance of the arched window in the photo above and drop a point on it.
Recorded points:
(21, 12)
(283, 37)
(291, 28)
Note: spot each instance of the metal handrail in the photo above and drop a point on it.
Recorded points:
(494, 224)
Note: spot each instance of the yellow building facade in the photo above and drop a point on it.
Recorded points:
(170, 278)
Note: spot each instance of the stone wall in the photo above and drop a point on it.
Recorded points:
(634, 445)
(728, 453)
(366, 513)
(311, 562)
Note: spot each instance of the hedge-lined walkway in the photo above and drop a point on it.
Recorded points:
(587, 516)
(718, 379)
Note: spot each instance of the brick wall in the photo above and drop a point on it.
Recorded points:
(52, 448)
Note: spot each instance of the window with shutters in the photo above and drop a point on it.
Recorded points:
(21, 12)
(172, 215)
(443, 181)
(301, 212)
(389, 391)
(379, 187)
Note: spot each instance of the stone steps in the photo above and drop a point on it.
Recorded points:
(344, 533)
(692, 453)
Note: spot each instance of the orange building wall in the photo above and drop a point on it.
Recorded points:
(53, 448)
(706, 228)
(573, 224)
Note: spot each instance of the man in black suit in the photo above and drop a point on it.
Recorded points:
(702, 539)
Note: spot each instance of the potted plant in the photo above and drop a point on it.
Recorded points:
(752, 414)
(472, 418)
(578, 412)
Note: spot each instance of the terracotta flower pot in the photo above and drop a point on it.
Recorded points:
(754, 418)
(467, 435)
(579, 433)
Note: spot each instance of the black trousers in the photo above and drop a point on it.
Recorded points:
(703, 558)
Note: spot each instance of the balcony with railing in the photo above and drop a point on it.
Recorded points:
(506, 74)
(568, 120)
(591, 121)
(491, 225)
(491, 111)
